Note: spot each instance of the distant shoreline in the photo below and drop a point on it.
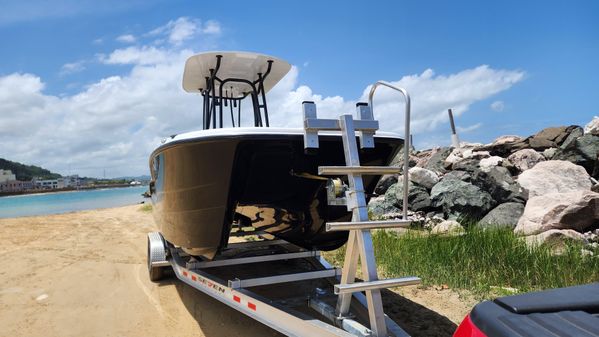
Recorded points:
(66, 189)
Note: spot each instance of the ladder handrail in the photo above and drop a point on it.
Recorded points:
(406, 152)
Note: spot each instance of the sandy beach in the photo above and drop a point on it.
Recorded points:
(84, 274)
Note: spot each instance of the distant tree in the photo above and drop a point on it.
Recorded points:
(27, 172)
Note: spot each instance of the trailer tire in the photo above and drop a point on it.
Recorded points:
(156, 273)
(157, 261)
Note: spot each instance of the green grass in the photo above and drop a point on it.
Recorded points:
(482, 261)
(146, 208)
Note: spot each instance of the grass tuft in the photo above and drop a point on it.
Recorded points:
(146, 208)
(486, 262)
(483, 260)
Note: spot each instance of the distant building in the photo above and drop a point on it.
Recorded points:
(15, 186)
(47, 184)
(7, 175)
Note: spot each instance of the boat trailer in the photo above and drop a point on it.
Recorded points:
(293, 290)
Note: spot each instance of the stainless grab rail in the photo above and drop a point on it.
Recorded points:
(406, 152)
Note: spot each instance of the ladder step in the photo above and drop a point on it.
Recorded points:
(367, 170)
(315, 124)
(351, 225)
(378, 284)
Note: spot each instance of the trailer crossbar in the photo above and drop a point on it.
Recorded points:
(252, 259)
(261, 281)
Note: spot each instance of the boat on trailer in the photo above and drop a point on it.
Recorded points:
(295, 191)
(231, 176)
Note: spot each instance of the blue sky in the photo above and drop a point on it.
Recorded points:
(87, 86)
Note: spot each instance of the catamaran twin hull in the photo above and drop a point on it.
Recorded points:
(206, 181)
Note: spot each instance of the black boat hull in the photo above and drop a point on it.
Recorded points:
(201, 186)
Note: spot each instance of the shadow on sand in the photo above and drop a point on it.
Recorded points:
(217, 319)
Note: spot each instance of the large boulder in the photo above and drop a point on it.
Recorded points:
(398, 160)
(556, 239)
(423, 177)
(525, 159)
(575, 134)
(460, 175)
(379, 206)
(418, 197)
(505, 215)
(505, 145)
(384, 183)
(422, 157)
(459, 198)
(487, 163)
(551, 137)
(554, 176)
(593, 126)
(498, 182)
(468, 164)
(461, 154)
(583, 151)
(578, 210)
(448, 227)
(438, 156)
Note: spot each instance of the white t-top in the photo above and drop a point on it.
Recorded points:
(240, 65)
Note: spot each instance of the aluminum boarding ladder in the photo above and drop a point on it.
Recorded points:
(359, 245)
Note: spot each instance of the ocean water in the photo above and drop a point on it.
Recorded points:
(62, 202)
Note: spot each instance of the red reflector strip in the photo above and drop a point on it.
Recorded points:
(252, 306)
(236, 299)
(193, 277)
(184, 273)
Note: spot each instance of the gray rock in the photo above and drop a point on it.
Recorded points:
(384, 183)
(487, 163)
(398, 160)
(499, 184)
(505, 215)
(549, 153)
(525, 159)
(378, 207)
(555, 238)
(554, 176)
(583, 151)
(448, 227)
(459, 198)
(435, 162)
(468, 164)
(551, 137)
(578, 210)
(464, 153)
(459, 175)
(423, 177)
(576, 133)
(503, 147)
(418, 197)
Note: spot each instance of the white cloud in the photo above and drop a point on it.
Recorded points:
(136, 55)
(115, 123)
(211, 27)
(126, 38)
(469, 128)
(176, 32)
(431, 96)
(497, 106)
(71, 68)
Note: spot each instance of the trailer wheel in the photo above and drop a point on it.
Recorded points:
(157, 261)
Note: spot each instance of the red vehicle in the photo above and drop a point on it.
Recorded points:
(572, 311)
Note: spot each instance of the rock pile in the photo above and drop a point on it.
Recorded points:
(542, 186)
